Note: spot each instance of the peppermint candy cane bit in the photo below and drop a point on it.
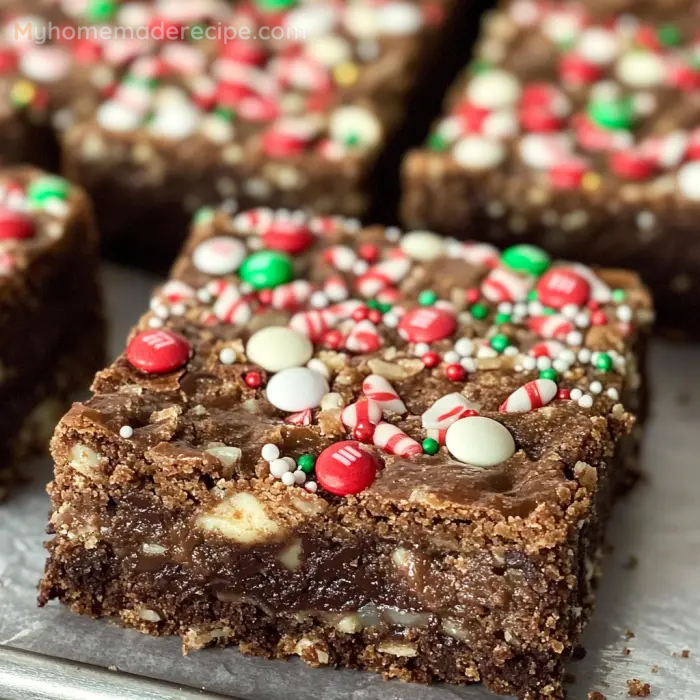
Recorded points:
(313, 324)
(385, 274)
(394, 441)
(364, 411)
(363, 338)
(447, 410)
(551, 327)
(438, 435)
(291, 296)
(336, 289)
(504, 285)
(232, 307)
(378, 389)
(530, 396)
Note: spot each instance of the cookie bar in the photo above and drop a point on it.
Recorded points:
(304, 108)
(577, 130)
(50, 311)
(382, 452)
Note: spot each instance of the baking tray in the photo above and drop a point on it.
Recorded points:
(651, 587)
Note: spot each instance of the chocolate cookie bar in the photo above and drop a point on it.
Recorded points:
(340, 443)
(306, 107)
(50, 311)
(578, 130)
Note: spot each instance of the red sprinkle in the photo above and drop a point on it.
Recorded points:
(375, 315)
(253, 380)
(455, 373)
(15, 225)
(364, 431)
(598, 318)
(472, 295)
(158, 351)
(430, 359)
(360, 314)
(631, 166)
(563, 394)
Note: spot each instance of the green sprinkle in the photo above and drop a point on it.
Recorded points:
(499, 342)
(430, 446)
(275, 5)
(306, 463)
(427, 297)
(618, 295)
(384, 306)
(532, 295)
(526, 258)
(479, 311)
(548, 374)
(47, 188)
(351, 140)
(203, 215)
(479, 66)
(502, 318)
(669, 35)
(225, 113)
(372, 304)
(604, 362)
(548, 311)
(437, 142)
(612, 114)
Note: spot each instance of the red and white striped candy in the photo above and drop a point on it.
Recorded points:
(547, 348)
(291, 296)
(363, 337)
(554, 326)
(437, 435)
(505, 285)
(336, 289)
(345, 309)
(313, 323)
(479, 254)
(299, 418)
(390, 295)
(394, 441)
(175, 291)
(693, 148)
(302, 73)
(592, 137)
(366, 411)
(254, 221)
(377, 388)
(576, 71)
(385, 274)
(530, 396)
(232, 306)
(446, 410)
(666, 151)
(341, 257)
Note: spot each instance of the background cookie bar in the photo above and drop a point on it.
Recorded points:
(50, 312)
(578, 130)
(308, 107)
(383, 452)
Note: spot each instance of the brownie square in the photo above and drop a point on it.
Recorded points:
(385, 452)
(50, 308)
(311, 105)
(576, 128)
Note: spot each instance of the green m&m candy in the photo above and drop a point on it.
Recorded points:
(265, 269)
(526, 258)
(612, 114)
(47, 188)
(275, 5)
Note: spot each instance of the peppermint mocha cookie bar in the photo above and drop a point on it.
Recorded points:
(307, 107)
(392, 453)
(50, 308)
(577, 130)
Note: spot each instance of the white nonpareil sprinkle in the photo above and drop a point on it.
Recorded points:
(270, 452)
(451, 357)
(596, 387)
(585, 401)
(584, 356)
(574, 338)
(155, 322)
(391, 320)
(511, 351)
(126, 431)
(288, 479)
(279, 467)
(560, 366)
(311, 486)
(613, 393)
(575, 394)
(319, 300)
(420, 349)
(529, 363)
(464, 347)
(543, 363)
(624, 313)
(299, 477)
(227, 356)
(469, 363)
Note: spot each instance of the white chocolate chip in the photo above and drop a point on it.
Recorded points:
(241, 518)
(398, 649)
(85, 460)
(290, 557)
(227, 454)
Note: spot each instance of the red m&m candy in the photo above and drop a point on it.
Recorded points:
(346, 468)
(560, 286)
(15, 225)
(427, 325)
(158, 351)
(287, 237)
